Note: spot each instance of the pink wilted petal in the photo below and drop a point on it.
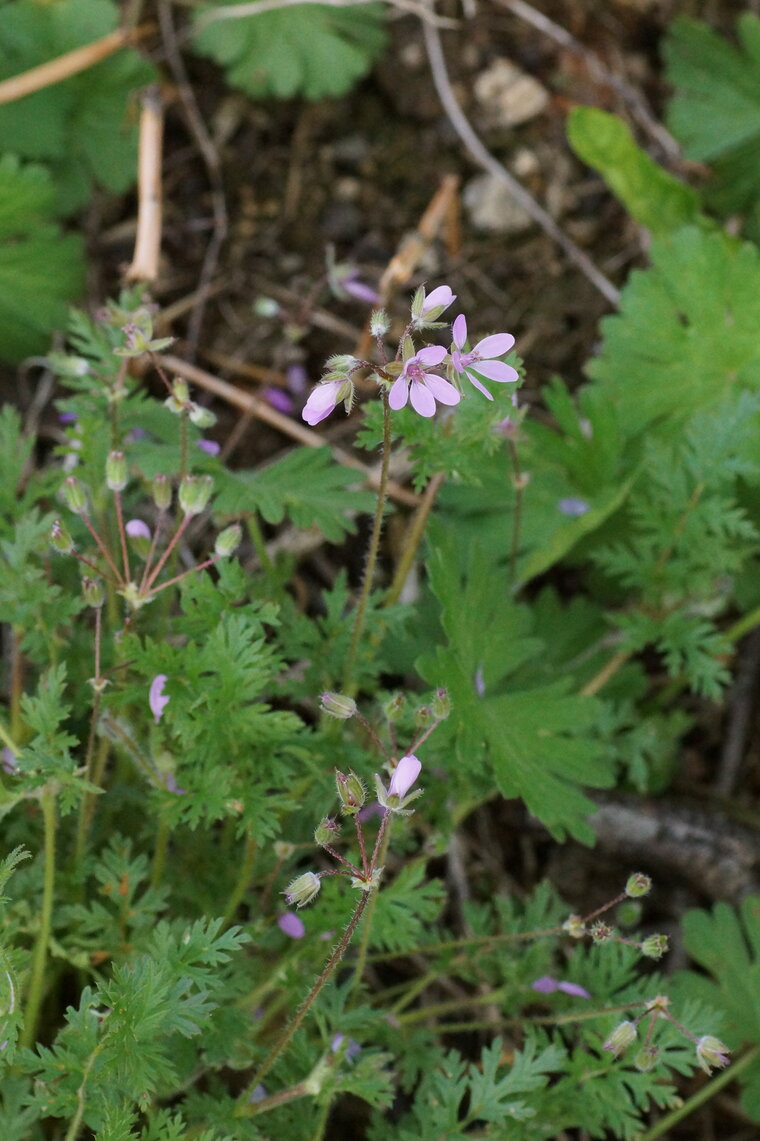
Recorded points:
(399, 393)
(156, 698)
(422, 400)
(574, 989)
(443, 392)
(459, 331)
(404, 775)
(429, 356)
(494, 346)
(442, 296)
(210, 447)
(497, 370)
(291, 925)
(136, 529)
(545, 985)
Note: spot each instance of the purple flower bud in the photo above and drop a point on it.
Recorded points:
(136, 529)
(545, 985)
(712, 1054)
(574, 989)
(303, 889)
(291, 925)
(210, 447)
(156, 698)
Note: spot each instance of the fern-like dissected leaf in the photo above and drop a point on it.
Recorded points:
(539, 739)
(307, 485)
(312, 49)
(688, 331)
(41, 269)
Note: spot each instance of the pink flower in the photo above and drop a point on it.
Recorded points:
(156, 698)
(325, 397)
(482, 359)
(404, 776)
(439, 299)
(547, 985)
(291, 925)
(423, 388)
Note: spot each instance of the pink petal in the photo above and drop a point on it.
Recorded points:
(444, 392)
(481, 388)
(136, 529)
(459, 331)
(321, 402)
(292, 925)
(442, 295)
(495, 346)
(399, 393)
(497, 370)
(156, 698)
(430, 355)
(422, 400)
(404, 775)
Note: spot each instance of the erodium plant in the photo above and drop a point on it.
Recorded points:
(179, 726)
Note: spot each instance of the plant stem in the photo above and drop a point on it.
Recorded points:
(87, 803)
(39, 958)
(413, 538)
(665, 1124)
(76, 1121)
(378, 858)
(259, 545)
(243, 879)
(374, 545)
(244, 1107)
(159, 856)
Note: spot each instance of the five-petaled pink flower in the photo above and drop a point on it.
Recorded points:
(421, 387)
(482, 359)
(156, 698)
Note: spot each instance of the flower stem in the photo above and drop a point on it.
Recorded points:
(243, 880)
(39, 958)
(378, 858)
(348, 685)
(413, 538)
(244, 1107)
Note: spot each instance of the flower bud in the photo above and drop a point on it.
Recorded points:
(194, 493)
(326, 832)
(654, 946)
(303, 889)
(161, 489)
(60, 539)
(139, 536)
(75, 495)
(379, 323)
(116, 471)
(621, 1038)
(395, 707)
(441, 704)
(638, 884)
(423, 716)
(601, 932)
(337, 705)
(351, 792)
(180, 397)
(228, 541)
(202, 417)
(646, 1059)
(712, 1054)
(92, 588)
(574, 927)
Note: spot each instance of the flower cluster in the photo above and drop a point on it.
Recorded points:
(415, 377)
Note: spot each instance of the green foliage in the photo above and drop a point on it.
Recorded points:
(536, 740)
(651, 196)
(40, 268)
(313, 50)
(726, 944)
(714, 112)
(83, 128)
(307, 486)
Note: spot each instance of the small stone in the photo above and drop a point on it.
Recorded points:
(508, 95)
(492, 208)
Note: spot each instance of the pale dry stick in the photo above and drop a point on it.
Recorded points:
(256, 7)
(263, 411)
(486, 160)
(147, 252)
(63, 66)
(213, 165)
(598, 71)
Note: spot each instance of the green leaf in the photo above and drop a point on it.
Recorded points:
(538, 739)
(83, 126)
(312, 50)
(651, 196)
(687, 333)
(41, 270)
(715, 112)
(307, 485)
